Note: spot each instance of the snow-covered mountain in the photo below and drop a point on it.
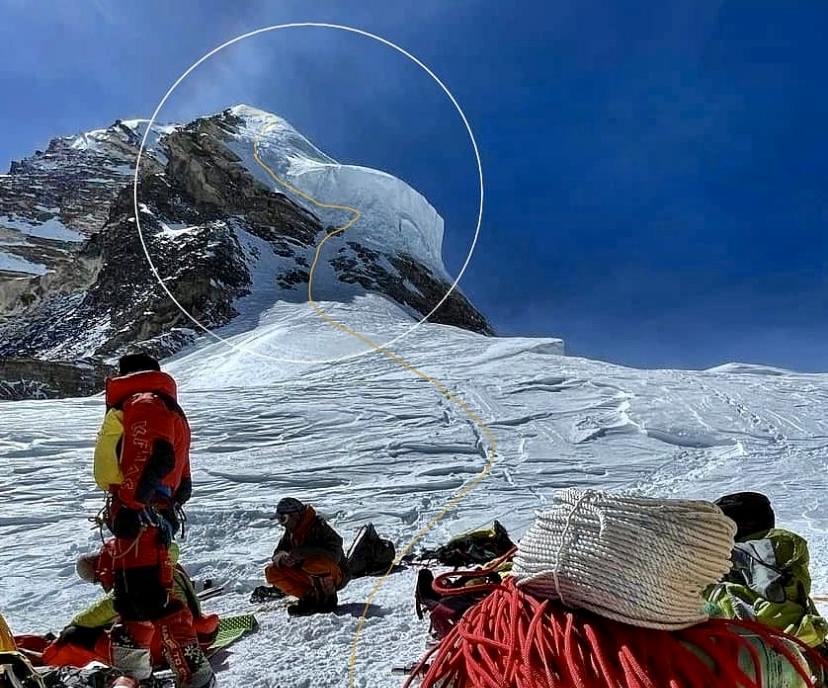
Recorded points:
(233, 208)
(286, 404)
(394, 218)
(366, 439)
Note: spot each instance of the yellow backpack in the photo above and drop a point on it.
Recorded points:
(107, 467)
(6, 637)
(15, 669)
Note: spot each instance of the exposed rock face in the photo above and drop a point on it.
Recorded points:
(30, 378)
(50, 204)
(419, 289)
(75, 283)
(212, 179)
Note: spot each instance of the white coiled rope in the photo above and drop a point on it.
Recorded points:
(640, 561)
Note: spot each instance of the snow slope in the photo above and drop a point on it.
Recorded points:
(394, 217)
(367, 440)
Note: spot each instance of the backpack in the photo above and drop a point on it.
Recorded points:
(447, 597)
(774, 567)
(370, 554)
(474, 547)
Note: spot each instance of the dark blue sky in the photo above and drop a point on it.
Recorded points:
(656, 175)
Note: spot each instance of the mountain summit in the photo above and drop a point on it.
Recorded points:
(221, 227)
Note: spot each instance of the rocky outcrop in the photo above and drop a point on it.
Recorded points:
(69, 183)
(191, 219)
(211, 181)
(30, 378)
(411, 284)
(205, 222)
(50, 204)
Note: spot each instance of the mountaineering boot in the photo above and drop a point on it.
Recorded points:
(326, 593)
(425, 599)
(329, 603)
(305, 607)
(321, 599)
(182, 651)
(130, 648)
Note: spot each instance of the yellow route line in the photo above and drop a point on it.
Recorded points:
(492, 451)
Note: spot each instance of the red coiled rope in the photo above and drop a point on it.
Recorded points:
(513, 640)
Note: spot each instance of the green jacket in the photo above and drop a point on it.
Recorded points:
(770, 582)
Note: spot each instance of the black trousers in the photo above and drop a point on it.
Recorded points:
(140, 594)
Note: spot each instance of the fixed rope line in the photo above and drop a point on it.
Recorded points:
(491, 453)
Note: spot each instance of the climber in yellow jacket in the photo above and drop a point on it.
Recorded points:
(770, 579)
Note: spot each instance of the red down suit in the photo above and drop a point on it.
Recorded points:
(152, 460)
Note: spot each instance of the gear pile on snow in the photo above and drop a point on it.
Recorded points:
(640, 561)
(588, 604)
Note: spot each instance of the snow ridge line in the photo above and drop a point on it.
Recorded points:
(490, 455)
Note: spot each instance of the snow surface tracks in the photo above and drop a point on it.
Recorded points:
(478, 448)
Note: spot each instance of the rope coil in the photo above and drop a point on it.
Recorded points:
(513, 640)
(641, 561)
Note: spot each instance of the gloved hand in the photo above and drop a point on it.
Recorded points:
(126, 523)
(284, 560)
(165, 532)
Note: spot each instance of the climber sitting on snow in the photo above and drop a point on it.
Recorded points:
(87, 637)
(308, 562)
(769, 581)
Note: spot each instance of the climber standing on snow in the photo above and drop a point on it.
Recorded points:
(142, 461)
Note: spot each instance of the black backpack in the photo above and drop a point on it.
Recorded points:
(370, 554)
(474, 547)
